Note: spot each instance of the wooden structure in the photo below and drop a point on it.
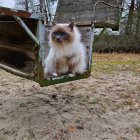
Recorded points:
(104, 13)
(88, 15)
(23, 46)
(21, 40)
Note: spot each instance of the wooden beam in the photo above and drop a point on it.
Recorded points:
(27, 30)
(16, 72)
(26, 52)
(20, 13)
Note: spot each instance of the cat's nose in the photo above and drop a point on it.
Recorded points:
(58, 39)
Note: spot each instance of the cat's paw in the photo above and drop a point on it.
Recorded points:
(55, 74)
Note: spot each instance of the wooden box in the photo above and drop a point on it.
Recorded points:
(22, 55)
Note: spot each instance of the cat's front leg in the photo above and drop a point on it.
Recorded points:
(77, 64)
(49, 63)
(73, 61)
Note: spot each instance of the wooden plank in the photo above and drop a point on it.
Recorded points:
(16, 72)
(16, 47)
(17, 60)
(20, 13)
(27, 30)
(83, 11)
(12, 34)
(17, 54)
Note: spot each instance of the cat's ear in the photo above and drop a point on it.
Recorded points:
(71, 25)
(53, 23)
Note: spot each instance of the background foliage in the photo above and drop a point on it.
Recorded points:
(128, 38)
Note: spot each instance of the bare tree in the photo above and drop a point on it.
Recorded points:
(26, 5)
(129, 24)
(138, 18)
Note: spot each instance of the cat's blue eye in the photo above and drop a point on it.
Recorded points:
(55, 33)
(64, 34)
(60, 33)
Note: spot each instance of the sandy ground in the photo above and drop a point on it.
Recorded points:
(102, 107)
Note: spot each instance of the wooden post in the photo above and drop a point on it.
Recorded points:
(40, 33)
(16, 72)
(91, 45)
(27, 30)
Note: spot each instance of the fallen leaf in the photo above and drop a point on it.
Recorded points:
(72, 128)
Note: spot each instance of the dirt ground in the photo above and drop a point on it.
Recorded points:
(105, 106)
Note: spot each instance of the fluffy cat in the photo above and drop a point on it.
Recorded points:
(67, 54)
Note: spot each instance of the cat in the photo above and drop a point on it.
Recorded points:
(67, 53)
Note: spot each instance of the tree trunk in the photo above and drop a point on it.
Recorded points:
(26, 5)
(138, 19)
(129, 24)
(32, 5)
(45, 12)
(41, 5)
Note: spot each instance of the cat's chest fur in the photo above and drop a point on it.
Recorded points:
(66, 52)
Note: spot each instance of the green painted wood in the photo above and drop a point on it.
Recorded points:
(12, 34)
(39, 52)
(87, 39)
(27, 30)
(62, 79)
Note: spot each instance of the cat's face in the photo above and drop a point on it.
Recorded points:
(62, 34)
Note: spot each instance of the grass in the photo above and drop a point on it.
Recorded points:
(111, 62)
(29, 103)
(77, 121)
(96, 101)
(137, 130)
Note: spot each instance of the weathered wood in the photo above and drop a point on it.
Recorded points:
(83, 11)
(16, 48)
(20, 13)
(16, 72)
(12, 34)
(27, 30)
(20, 60)
(27, 52)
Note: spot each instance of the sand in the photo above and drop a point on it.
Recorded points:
(102, 107)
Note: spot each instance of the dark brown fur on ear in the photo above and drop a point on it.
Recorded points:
(53, 23)
(71, 25)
